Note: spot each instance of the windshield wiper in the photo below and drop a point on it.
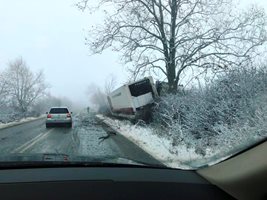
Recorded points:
(55, 164)
(64, 160)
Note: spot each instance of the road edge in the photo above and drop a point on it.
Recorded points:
(12, 124)
(118, 131)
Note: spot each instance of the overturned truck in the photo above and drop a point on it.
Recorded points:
(134, 100)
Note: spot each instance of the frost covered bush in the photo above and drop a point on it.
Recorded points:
(8, 114)
(235, 100)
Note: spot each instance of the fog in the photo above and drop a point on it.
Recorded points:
(49, 35)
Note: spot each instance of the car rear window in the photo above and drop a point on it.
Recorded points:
(58, 110)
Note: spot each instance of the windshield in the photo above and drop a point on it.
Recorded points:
(170, 83)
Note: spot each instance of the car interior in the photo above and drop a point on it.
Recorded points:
(240, 177)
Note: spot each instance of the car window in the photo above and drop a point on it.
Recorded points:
(58, 111)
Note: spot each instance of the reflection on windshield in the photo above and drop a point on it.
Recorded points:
(161, 83)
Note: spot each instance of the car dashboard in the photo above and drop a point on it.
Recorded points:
(105, 183)
(240, 177)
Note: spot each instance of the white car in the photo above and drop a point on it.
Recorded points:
(58, 116)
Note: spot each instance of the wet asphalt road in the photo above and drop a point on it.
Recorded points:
(85, 138)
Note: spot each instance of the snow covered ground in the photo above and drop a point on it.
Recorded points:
(178, 155)
(158, 147)
(24, 120)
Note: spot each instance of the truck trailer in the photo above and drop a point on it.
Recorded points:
(133, 100)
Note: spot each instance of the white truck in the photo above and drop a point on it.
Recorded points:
(133, 100)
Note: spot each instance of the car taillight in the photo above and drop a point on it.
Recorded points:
(68, 115)
(49, 116)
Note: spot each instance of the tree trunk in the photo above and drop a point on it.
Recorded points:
(172, 49)
(171, 78)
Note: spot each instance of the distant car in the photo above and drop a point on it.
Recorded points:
(58, 116)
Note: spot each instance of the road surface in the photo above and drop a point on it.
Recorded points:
(87, 137)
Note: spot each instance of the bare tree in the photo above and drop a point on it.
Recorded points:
(3, 90)
(98, 98)
(110, 84)
(24, 86)
(171, 36)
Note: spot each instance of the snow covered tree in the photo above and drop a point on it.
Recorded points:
(24, 87)
(3, 90)
(173, 36)
(110, 84)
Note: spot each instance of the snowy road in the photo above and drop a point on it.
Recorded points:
(85, 138)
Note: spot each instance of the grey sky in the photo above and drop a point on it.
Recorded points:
(49, 35)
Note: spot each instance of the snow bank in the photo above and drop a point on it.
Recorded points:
(181, 155)
(24, 120)
(158, 147)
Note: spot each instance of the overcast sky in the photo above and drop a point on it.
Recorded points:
(49, 35)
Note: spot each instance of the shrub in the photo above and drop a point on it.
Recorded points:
(234, 98)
